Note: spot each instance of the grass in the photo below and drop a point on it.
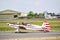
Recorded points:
(55, 23)
(41, 38)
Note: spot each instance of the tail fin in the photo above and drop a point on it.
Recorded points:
(46, 25)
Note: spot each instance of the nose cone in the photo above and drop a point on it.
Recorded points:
(7, 23)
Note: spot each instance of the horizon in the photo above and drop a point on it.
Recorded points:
(37, 6)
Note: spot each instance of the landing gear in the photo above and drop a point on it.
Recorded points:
(45, 30)
(17, 30)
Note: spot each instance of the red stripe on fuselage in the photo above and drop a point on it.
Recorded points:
(46, 24)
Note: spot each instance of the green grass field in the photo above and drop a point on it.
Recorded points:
(41, 38)
(55, 23)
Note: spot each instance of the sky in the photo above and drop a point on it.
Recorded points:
(31, 5)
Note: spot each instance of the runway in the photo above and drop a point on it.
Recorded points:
(8, 35)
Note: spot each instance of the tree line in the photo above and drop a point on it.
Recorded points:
(31, 14)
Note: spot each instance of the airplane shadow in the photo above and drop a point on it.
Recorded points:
(21, 32)
(31, 32)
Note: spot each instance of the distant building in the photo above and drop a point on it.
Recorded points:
(58, 15)
(23, 14)
(8, 14)
(49, 15)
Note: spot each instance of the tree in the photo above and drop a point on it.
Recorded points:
(30, 14)
(41, 15)
(36, 15)
(53, 14)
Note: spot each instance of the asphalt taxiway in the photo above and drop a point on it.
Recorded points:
(8, 35)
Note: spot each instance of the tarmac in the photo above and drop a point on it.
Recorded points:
(12, 35)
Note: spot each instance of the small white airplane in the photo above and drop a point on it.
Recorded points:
(45, 26)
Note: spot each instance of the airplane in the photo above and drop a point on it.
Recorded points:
(27, 26)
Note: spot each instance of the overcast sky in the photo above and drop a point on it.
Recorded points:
(31, 5)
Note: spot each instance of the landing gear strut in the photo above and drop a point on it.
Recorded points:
(17, 30)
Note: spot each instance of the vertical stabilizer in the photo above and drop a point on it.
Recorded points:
(46, 25)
